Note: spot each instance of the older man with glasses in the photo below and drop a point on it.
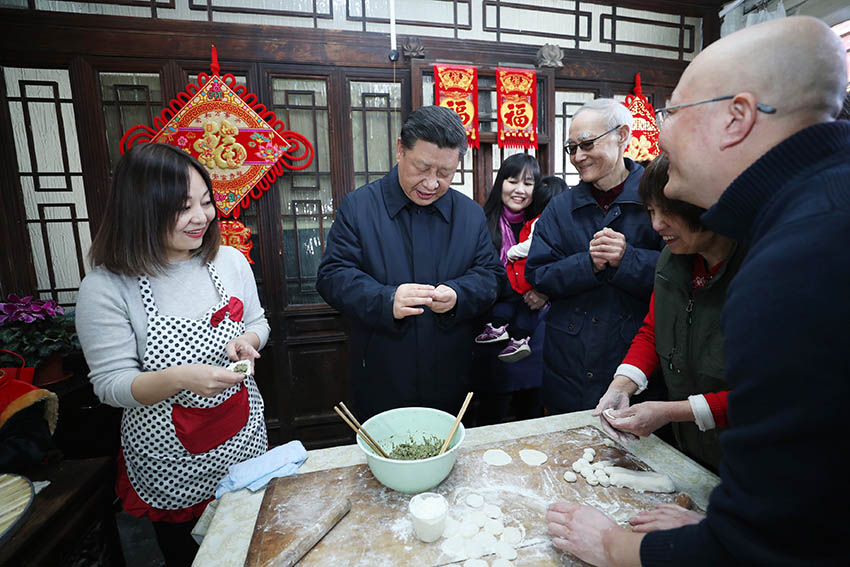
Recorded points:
(593, 254)
(772, 166)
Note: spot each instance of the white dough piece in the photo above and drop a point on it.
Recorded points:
(588, 473)
(592, 481)
(505, 551)
(243, 366)
(468, 529)
(589, 455)
(570, 476)
(454, 546)
(609, 442)
(475, 500)
(493, 526)
(482, 544)
(478, 518)
(590, 450)
(475, 563)
(603, 481)
(500, 562)
(601, 464)
(496, 457)
(580, 464)
(511, 536)
(532, 457)
(492, 511)
(641, 481)
(452, 527)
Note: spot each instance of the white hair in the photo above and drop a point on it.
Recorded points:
(616, 114)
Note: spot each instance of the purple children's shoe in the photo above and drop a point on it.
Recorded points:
(515, 351)
(492, 334)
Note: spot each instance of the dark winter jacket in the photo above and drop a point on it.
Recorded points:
(593, 317)
(379, 240)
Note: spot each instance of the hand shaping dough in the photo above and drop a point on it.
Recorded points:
(496, 457)
(641, 481)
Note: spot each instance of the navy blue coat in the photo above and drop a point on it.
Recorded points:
(593, 317)
(379, 240)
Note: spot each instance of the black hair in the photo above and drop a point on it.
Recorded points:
(149, 188)
(544, 190)
(651, 192)
(513, 166)
(437, 125)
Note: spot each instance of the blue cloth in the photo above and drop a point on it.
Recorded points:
(782, 497)
(593, 317)
(379, 240)
(255, 473)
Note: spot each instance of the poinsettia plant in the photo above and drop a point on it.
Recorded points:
(35, 329)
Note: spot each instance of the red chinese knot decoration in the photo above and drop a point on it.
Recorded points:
(516, 98)
(644, 143)
(243, 145)
(456, 88)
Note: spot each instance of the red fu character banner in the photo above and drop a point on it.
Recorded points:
(456, 88)
(644, 143)
(516, 92)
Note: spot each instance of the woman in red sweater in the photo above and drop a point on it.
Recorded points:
(680, 335)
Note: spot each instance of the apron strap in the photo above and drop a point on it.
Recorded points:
(147, 297)
(218, 285)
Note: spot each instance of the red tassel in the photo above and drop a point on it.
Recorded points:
(215, 68)
(637, 90)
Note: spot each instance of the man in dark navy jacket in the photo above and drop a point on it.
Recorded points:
(594, 254)
(411, 264)
(751, 136)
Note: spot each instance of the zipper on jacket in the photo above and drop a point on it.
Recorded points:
(690, 310)
(670, 356)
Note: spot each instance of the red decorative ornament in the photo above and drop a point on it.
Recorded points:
(644, 143)
(237, 235)
(243, 144)
(516, 97)
(456, 88)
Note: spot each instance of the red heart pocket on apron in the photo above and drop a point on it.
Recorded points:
(202, 429)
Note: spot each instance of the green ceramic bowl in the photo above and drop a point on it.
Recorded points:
(396, 426)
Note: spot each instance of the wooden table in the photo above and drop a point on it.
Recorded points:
(229, 528)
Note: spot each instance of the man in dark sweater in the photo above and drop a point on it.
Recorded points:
(751, 135)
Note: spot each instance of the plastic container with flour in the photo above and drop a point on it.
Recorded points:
(428, 513)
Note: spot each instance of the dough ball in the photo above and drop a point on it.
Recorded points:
(588, 473)
(603, 481)
(454, 546)
(475, 500)
(580, 464)
(592, 481)
(468, 529)
(570, 476)
(505, 551)
(492, 511)
(601, 464)
(496, 457)
(475, 563)
(493, 526)
(589, 455)
(511, 536)
(532, 457)
(478, 518)
(501, 563)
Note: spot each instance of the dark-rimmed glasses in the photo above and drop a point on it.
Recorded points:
(661, 114)
(586, 145)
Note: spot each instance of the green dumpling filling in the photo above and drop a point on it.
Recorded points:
(414, 451)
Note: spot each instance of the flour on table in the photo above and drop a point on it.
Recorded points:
(641, 481)
(475, 500)
(570, 476)
(505, 551)
(468, 529)
(478, 518)
(496, 457)
(453, 546)
(532, 457)
(475, 563)
(501, 563)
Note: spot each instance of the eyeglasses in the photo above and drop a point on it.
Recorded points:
(661, 114)
(586, 145)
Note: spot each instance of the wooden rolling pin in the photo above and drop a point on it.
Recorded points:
(311, 536)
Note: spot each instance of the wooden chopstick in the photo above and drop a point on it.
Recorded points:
(358, 431)
(363, 431)
(457, 422)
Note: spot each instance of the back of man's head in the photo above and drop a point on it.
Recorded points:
(437, 125)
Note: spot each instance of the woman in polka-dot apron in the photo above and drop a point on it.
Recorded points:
(160, 316)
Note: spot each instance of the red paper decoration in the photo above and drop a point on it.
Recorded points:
(644, 143)
(517, 103)
(236, 234)
(456, 87)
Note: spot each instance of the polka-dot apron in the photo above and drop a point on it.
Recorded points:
(177, 450)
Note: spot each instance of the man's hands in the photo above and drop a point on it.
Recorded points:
(411, 299)
(591, 536)
(616, 398)
(607, 248)
(664, 517)
(534, 299)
